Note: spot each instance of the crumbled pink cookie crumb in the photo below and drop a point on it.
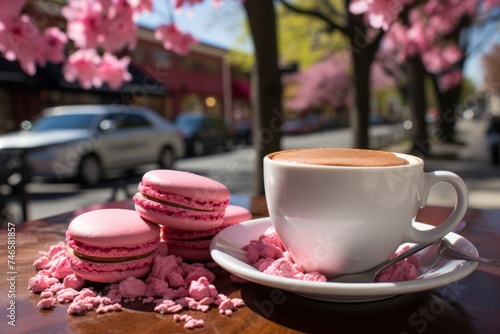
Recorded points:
(201, 288)
(54, 249)
(47, 303)
(108, 308)
(46, 294)
(73, 281)
(168, 306)
(189, 321)
(172, 285)
(267, 245)
(40, 282)
(66, 295)
(405, 270)
(132, 288)
(59, 266)
(41, 263)
(281, 267)
(268, 255)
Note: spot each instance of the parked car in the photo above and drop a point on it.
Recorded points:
(243, 132)
(83, 141)
(203, 133)
(294, 126)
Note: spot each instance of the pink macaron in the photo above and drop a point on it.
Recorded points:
(110, 245)
(194, 245)
(181, 200)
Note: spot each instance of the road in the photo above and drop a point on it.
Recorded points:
(234, 169)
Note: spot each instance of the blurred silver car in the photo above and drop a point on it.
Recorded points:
(83, 141)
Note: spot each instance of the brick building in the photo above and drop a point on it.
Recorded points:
(162, 80)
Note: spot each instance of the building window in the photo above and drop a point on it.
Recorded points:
(192, 102)
(161, 58)
(139, 55)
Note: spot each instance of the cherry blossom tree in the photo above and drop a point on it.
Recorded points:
(327, 82)
(422, 35)
(425, 36)
(95, 32)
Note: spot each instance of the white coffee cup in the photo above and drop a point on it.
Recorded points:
(344, 219)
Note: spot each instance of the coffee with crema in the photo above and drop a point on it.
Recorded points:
(339, 157)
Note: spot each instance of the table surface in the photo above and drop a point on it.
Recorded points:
(471, 305)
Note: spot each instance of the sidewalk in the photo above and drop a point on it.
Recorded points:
(470, 161)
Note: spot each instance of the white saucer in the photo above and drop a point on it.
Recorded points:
(226, 246)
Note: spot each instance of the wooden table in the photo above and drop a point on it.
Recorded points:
(471, 305)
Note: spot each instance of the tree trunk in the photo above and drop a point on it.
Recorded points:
(416, 90)
(266, 85)
(447, 103)
(359, 116)
(363, 50)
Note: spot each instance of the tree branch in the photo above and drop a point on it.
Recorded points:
(331, 26)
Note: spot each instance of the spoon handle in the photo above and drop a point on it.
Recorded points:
(418, 247)
(455, 253)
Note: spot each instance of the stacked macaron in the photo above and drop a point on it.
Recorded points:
(195, 245)
(110, 245)
(181, 200)
(190, 209)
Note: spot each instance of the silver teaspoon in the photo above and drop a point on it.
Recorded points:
(448, 250)
(370, 274)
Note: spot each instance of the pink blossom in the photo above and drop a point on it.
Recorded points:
(121, 29)
(83, 67)
(52, 45)
(440, 58)
(180, 3)
(85, 22)
(326, 82)
(380, 13)
(140, 6)
(449, 79)
(114, 71)
(19, 40)
(417, 39)
(109, 24)
(174, 39)
(11, 8)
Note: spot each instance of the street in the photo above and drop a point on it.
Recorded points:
(234, 169)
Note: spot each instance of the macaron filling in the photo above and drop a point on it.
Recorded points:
(176, 211)
(175, 204)
(83, 265)
(86, 250)
(110, 259)
(153, 194)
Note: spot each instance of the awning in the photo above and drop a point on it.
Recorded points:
(140, 83)
(241, 89)
(51, 76)
(11, 72)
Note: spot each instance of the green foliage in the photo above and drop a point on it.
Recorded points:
(241, 60)
(303, 38)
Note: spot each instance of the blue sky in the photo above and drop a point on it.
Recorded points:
(223, 27)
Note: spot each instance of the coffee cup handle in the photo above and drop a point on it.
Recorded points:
(432, 178)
